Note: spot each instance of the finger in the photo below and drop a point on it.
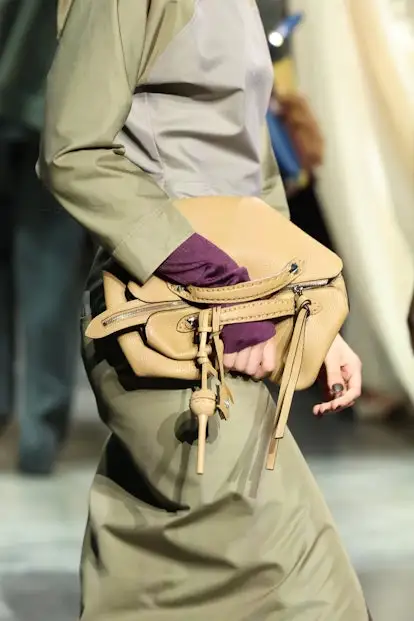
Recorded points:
(317, 410)
(336, 405)
(268, 363)
(337, 390)
(345, 401)
(320, 409)
(269, 357)
(335, 380)
(255, 359)
(325, 408)
(229, 360)
(260, 374)
(242, 359)
(339, 409)
(353, 375)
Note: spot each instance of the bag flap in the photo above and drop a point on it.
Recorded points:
(258, 237)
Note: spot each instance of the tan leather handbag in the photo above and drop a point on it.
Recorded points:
(170, 331)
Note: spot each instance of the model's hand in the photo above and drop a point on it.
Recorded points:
(258, 361)
(343, 377)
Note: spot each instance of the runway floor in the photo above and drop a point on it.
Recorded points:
(365, 471)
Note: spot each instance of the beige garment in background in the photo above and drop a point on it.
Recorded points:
(63, 8)
(367, 193)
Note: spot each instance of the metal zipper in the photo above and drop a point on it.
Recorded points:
(312, 284)
(136, 312)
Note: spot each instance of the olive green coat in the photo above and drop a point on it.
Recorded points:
(114, 55)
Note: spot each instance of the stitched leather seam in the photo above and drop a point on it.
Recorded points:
(244, 319)
(241, 286)
(228, 300)
(211, 300)
(258, 317)
(283, 304)
(276, 313)
(195, 292)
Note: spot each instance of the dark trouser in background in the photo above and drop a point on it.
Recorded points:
(43, 260)
(306, 213)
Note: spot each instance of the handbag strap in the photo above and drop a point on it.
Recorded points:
(289, 381)
(135, 313)
(205, 402)
(242, 292)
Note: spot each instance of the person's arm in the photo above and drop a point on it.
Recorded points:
(199, 262)
(89, 96)
(273, 191)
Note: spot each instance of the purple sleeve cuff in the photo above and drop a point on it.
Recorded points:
(200, 263)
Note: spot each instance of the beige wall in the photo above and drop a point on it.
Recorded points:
(366, 185)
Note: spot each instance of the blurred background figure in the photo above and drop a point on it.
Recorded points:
(296, 137)
(355, 63)
(42, 251)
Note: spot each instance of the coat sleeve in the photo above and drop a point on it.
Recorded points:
(273, 191)
(89, 96)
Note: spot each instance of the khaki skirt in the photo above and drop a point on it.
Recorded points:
(237, 544)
